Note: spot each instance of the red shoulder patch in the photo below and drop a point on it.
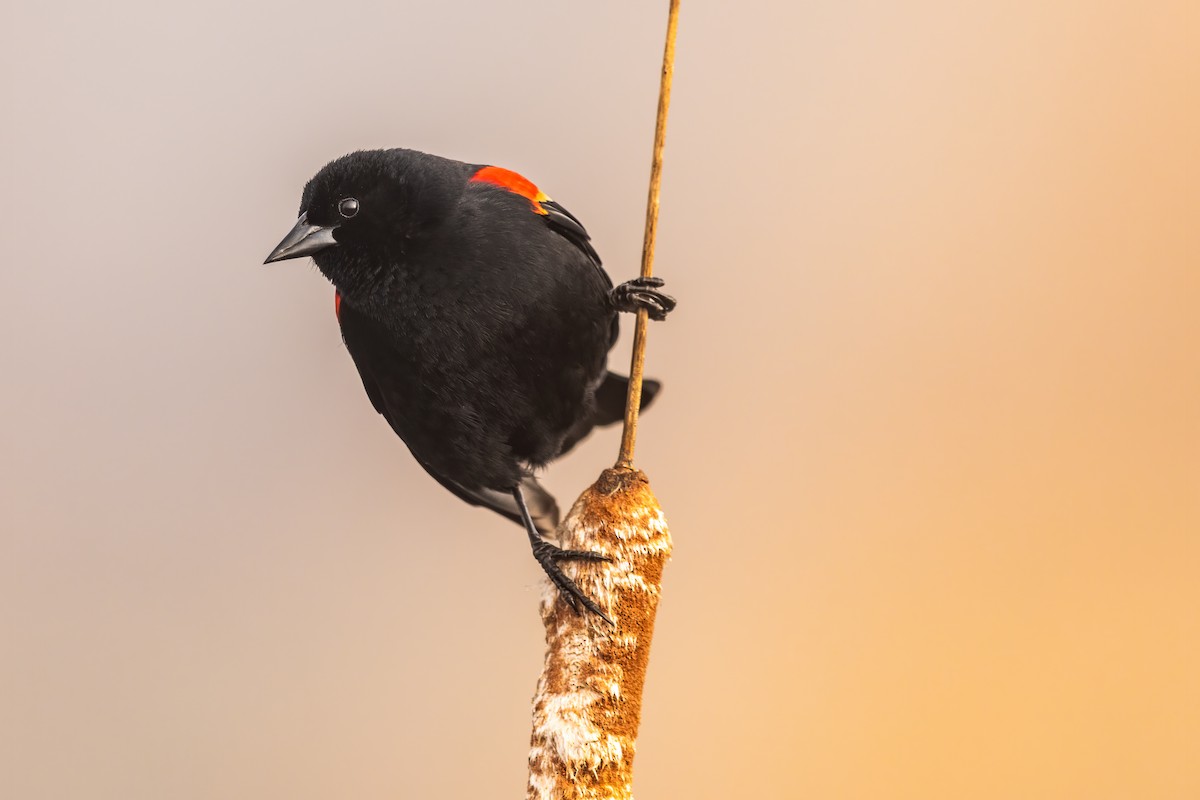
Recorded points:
(337, 305)
(517, 184)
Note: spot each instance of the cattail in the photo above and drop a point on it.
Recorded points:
(589, 698)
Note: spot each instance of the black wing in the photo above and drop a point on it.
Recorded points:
(570, 228)
(370, 353)
(560, 220)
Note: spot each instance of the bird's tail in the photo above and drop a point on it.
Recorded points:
(610, 406)
(611, 395)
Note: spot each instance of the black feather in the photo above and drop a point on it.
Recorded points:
(480, 328)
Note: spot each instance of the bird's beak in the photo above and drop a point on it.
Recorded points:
(302, 240)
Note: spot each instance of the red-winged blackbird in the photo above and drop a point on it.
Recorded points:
(480, 319)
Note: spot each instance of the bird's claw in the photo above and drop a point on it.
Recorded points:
(548, 555)
(643, 293)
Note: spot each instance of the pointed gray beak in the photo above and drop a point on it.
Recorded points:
(302, 240)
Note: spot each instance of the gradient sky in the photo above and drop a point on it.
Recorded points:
(929, 443)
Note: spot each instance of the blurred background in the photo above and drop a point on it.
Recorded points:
(929, 444)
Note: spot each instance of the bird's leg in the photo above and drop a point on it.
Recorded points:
(642, 293)
(548, 555)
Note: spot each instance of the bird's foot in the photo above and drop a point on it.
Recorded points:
(642, 293)
(548, 555)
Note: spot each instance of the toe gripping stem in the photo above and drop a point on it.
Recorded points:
(643, 293)
(549, 555)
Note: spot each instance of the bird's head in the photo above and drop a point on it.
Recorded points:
(370, 206)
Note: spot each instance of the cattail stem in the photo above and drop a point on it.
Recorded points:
(637, 366)
(588, 703)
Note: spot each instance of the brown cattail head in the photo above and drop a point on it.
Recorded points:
(589, 698)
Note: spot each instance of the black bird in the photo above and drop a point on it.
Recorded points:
(480, 319)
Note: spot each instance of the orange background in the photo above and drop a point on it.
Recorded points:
(930, 442)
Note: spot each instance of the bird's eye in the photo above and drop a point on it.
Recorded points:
(348, 207)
